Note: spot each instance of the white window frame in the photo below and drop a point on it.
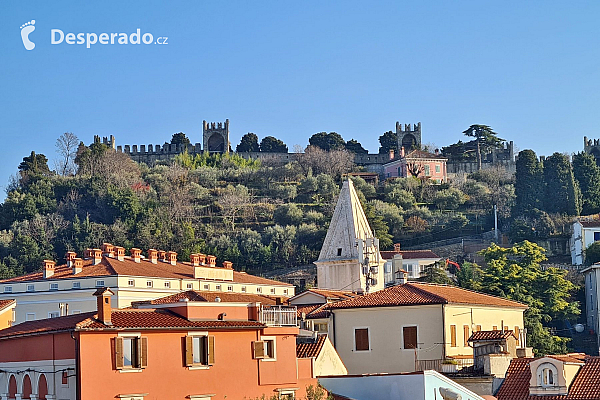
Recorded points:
(31, 288)
(354, 339)
(54, 314)
(272, 290)
(76, 285)
(54, 286)
(270, 339)
(243, 289)
(285, 291)
(206, 286)
(100, 283)
(167, 285)
(129, 335)
(230, 288)
(218, 288)
(149, 284)
(402, 336)
(131, 282)
(259, 290)
(8, 289)
(189, 286)
(199, 366)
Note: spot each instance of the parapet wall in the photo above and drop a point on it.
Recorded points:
(153, 153)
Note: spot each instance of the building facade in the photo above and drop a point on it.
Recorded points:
(417, 163)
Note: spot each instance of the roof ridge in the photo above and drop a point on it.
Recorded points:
(466, 290)
(411, 285)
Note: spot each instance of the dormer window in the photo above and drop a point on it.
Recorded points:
(547, 375)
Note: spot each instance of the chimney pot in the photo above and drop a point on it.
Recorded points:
(48, 268)
(103, 299)
(202, 258)
(97, 256)
(70, 256)
(153, 256)
(108, 250)
(172, 257)
(162, 255)
(212, 261)
(77, 265)
(195, 259)
(120, 253)
(227, 264)
(135, 254)
(391, 154)
(402, 152)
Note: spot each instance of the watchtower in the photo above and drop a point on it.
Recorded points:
(408, 137)
(592, 146)
(215, 137)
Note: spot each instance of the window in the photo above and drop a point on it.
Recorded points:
(207, 287)
(285, 291)
(466, 335)
(453, 335)
(321, 327)
(495, 328)
(264, 349)
(199, 350)
(167, 285)
(437, 168)
(409, 335)
(189, 286)
(596, 236)
(272, 290)
(31, 288)
(361, 339)
(244, 289)
(131, 282)
(230, 288)
(339, 252)
(99, 283)
(7, 289)
(427, 170)
(478, 328)
(517, 332)
(76, 285)
(54, 286)
(218, 288)
(131, 352)
(54, 314)
(29, 316)
(547, 377)
(258, 290)
(65, 378)
(149, 284)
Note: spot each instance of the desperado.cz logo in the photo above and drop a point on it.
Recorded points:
(57, 36)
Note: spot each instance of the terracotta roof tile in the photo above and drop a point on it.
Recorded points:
(590, 224)
(409, 254)
(242, 277)
(334, 295)
(423, 154)
(585, 385)
(424, 293)
(6, 303)
(121, 319)
(313, 311)
(227, 297)
(310, 349)
(490, 335)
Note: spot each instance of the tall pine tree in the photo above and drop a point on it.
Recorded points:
(562, 194)
(529, 184)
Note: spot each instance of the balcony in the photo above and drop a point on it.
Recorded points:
(279, 315)
(441, 366)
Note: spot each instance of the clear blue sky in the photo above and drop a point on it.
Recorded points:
(528, 69)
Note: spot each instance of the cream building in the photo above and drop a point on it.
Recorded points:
(67, 289)
(416, 326)
(349, 243)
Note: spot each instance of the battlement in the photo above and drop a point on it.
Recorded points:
(166, 149)
(416, 128)
(215, 136)
(587, 143)
(108, 141)
(213, 126)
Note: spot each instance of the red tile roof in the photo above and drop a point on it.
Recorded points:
(424, 293)
(6, 303)
(585, 385)
(227, 297)
(313, 311)
(112, 266)
(121, 319)
(409, 254)
(310, 349)
(331, 294)
(423, 154)
(590, 224)
(490, 335)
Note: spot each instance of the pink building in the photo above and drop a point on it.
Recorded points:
(419, 163)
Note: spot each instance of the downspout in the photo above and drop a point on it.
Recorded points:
(333, 324)
(77, 367)
(443, 332)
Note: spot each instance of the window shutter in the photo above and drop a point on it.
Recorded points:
(143, 352)
(118, 352)
(258, 349)
(453, 335)
(410, 337)
(361, 339)
(211, 350)
(466, 335)
(189, 351)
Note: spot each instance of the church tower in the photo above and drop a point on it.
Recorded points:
(349, 240)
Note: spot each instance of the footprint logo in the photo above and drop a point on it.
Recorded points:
(26, 29)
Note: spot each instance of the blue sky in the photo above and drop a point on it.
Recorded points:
(528, 69)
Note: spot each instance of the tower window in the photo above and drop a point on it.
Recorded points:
(339, 251)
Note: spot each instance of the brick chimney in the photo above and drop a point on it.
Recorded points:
(103, 304)
(70, 256)
(120, 253)
(48, 266)
(212, 261)
(171, 257)
(108, 250)
(162, 255)
(195, 259)
(135, 254)
(402, 152)
(153, 256)
(392, 154)
(227, 264)
(202, 258)
(96, 256)
(77, 265)
(397, 248)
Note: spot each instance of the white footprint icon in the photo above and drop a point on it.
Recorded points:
(26, 29)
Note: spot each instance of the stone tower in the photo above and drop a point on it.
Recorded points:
(592, 146)
(338, 266)
(409, 138)
(215, 137)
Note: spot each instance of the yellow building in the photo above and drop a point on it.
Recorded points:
(416, 326)
(67, 289)
(7, 313)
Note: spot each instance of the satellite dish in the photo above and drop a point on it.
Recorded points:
(579, 328)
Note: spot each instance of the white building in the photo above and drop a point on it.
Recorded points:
(586, 230)
(348, 242)
(413, 262)
(592, 311)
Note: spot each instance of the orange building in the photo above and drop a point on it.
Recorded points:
(186, 349)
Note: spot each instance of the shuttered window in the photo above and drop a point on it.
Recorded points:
(264, 349)
(409, 334)
(361, 339)
(466, 335)
(199, 350)
(453, 335)
(131, 352)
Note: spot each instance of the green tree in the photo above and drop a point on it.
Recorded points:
(529, 182)
(515, 273)
(587, 175)
(327, 141)
(469, 276)
(180, 138)
(436, 273)
(269, 144)
(592, 253)
(562, 195)
(354, 146)
(388, 141)
(248, 143)
(485, 139)
(288, 214)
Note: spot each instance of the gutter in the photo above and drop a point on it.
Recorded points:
(77, 366)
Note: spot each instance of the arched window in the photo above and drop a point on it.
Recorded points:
(42, 387)
(547, 375)
(12, 387)
(26, 387)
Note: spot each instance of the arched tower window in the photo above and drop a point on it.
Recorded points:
(547, 375)
(42, 387)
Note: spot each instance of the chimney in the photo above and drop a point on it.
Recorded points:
(172, 257)
(48, 268)
(70, 256)
(153, 256)
(202, 258)
(77, 265)
(103, 303)
(162, 255)
(135, 254)
(227, 264)
(402, 151)
(195, 259)
(88, 253)
(437, 152)
(97, 256)
(212, 261)
(108, 250)
(397, 248)
(120, 253)
(391, 154)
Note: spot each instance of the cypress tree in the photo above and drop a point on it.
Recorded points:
(587, 175)
(529, 183)
(562, 193)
